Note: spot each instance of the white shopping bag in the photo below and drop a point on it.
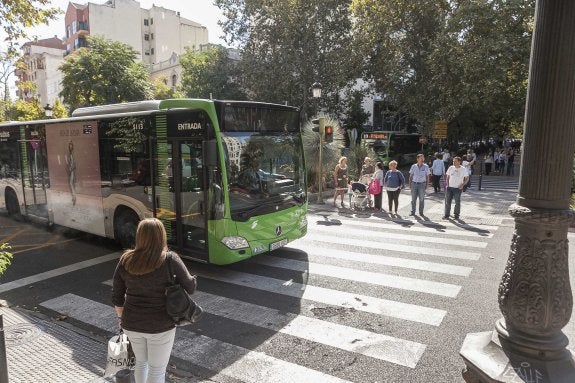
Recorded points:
(120, 354)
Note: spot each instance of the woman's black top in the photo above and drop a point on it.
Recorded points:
(143, 296)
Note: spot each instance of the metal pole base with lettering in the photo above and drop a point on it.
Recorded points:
(535, 299)
(487, 361)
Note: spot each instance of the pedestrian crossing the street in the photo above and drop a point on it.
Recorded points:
(365, 291)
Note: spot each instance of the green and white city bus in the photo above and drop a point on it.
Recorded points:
(390, 145)
(227, 178)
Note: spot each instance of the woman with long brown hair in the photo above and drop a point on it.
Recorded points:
(138, 295)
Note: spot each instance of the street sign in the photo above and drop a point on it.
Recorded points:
(440, 129)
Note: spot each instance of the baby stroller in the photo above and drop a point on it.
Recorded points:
(359, 196)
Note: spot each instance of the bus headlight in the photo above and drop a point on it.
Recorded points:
(235, 242)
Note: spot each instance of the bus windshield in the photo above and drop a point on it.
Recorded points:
(265, 172)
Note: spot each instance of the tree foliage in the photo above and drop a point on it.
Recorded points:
(396, 39)
(27, 110)
(465, 61)
(162, 91)
(104, 73)
(59, 110)
(16, 15)
(5, 257)
(210, 73)
(287, 45)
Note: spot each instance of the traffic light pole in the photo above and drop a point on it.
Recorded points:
(320, 186)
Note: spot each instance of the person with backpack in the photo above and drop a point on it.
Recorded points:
(393, 182)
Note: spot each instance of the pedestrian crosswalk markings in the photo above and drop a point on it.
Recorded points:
(449, 255)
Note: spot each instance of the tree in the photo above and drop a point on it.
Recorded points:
(210, 74)
(104, 73)
(355, 116)
(448, 59)
(5, 257)
(396, 39)
(162, 91)
(59, 110)
(27, 110)
(287, 45)
(15, 15)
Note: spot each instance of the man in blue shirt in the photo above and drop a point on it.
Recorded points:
(418, 181)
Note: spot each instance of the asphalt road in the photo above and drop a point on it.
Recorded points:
(363, 298)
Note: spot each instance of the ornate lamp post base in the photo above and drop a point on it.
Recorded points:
(488, 362)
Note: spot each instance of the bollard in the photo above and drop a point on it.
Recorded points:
(124, 376)
(3, 362)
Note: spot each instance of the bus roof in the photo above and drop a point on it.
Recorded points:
(154, 105)
(127, 107)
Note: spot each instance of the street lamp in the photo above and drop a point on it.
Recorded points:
(48, 111)
(316, 92)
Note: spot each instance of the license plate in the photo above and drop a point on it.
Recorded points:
(278, 244)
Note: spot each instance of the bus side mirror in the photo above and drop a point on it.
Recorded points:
(210, 149)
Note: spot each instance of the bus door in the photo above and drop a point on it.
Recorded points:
(190, 196)
(35, 170)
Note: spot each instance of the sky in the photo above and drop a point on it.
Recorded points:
(200, 11)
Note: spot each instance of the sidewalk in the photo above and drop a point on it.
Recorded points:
(486, 207)
(41, 349)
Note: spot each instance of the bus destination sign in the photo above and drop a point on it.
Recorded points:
(375, 136)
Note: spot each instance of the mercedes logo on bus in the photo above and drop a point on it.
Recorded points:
(278, 230)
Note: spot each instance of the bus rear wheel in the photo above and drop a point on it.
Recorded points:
(12, 205)
(125, 226)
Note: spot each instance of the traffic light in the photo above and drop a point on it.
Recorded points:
(328, 134)
(318, 125)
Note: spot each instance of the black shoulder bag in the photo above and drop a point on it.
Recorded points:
(179, 304)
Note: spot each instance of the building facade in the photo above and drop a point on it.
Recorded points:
(41, 60)
(154, 33)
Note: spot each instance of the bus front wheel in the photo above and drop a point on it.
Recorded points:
(125, 226)
(12, 205)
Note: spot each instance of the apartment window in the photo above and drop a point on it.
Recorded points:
(151, 36)
(174, 80)
(152, 21)
(152, 51)
(146, 22)
(74, 26)
(147, 53)
(146, 37)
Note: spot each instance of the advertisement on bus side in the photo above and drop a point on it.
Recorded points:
(75, 195)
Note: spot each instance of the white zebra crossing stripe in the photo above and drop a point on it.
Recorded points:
(411, 250)
(242, 364)
(405, 263)
(380, 279)
(383, 236)
(394, 309)
(370, 225)
(383, 347)
(226, 359)
(358, 302)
